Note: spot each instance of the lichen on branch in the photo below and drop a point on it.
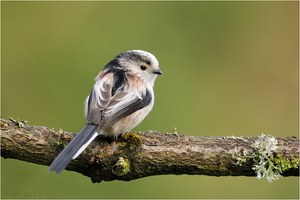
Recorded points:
(267, 162)
(137, 155)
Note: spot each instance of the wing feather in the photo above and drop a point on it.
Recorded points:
(105, 107)
(100, 97)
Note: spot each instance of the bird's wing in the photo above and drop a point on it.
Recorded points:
(107, 105)
(124, 104)
(100, 97)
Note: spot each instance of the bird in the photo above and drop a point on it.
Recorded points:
(122, 96)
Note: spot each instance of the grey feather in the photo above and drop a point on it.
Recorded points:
(65, 157)
(106, 108)
(126, 109)
(100, 97)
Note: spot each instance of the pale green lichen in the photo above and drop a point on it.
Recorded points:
(59, 132)
(240, 155)
(173, 132)
(20, 124)
(267, 164)
(264, 167)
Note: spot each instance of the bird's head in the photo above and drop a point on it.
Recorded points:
(140, 63)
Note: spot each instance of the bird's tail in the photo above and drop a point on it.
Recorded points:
(74, 148)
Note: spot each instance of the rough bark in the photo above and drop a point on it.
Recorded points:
(137, 155)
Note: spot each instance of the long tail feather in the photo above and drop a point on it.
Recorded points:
(74, 148)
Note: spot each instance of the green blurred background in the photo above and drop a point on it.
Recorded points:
(230, 68)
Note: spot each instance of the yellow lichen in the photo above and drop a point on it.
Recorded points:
(20, 124)
(121, 168)
(130, 140)
(3, 124)
(59, 143)
(285, 163)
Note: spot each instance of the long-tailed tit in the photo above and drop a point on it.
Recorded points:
(121, 98)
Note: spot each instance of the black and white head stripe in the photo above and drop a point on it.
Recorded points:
(136, 56)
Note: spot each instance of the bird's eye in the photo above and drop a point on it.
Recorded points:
(143, 67)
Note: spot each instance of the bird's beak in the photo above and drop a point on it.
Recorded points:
(158, 72)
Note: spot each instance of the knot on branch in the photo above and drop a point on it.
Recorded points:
(121, 167)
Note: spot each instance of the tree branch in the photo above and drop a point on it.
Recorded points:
(137, 155)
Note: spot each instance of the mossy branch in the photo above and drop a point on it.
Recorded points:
(137, 155)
